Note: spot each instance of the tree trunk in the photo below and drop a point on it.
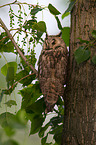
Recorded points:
(80, 94)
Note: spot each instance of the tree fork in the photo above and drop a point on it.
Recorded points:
(80, 94)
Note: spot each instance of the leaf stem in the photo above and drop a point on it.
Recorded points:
(22, 79)
(19, 81)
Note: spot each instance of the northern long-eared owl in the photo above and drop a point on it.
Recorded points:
(52, 67)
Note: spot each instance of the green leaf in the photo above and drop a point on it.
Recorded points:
(31, 59)
(4, 69)
(38, 107)
(25, 14)
(81, 54)
(8, 47)
(53, 10)
(65, 15)
(60, 101)
(39, 34)
(10, 76)
(7, 91)
(5, 119)
(10, 142)
(21, 75)
(40, 26)
(21, 119)
(44, 139)
(56, 120)
(17, 121)
(28, 25)
(9, 131)
(35, 10)
(94, 59)
(61, 109)
(43, 129)
(70, 7)
(57, 132)
(56, 129)
(58, 138)
(36, 123)
(3, 38)
(94, 33)
(66, 35)
(10, 103)
(27, 80)
(55, 143)
(58, 22)
(30, 94)
(5, 46)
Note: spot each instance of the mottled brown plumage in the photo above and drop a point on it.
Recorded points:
(52, 70)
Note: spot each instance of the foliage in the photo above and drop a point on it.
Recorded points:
(69, 9)
(83, 53)
(33, 105)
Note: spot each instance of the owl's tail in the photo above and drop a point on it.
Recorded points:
(51, 91)
(50, 99)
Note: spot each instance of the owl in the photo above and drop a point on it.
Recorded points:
(52, 70)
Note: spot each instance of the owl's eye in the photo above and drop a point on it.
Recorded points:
(53, 42)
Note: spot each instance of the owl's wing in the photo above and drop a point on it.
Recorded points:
(61, 65)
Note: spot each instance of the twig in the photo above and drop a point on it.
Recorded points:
(11, 87)
(17, 3)
(4, 38)
(20, 80)
(17, 48)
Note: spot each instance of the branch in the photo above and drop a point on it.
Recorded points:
(3, 38)
(20, 80)
(17, 48)
(17, 3)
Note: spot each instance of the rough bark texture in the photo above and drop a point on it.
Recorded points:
(80, 95)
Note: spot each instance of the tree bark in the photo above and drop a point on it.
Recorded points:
(80, 94)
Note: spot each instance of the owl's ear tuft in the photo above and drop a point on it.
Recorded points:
(59, 35)
(46, 35)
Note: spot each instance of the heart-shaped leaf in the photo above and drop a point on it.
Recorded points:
(36, 124)
(4, 69)
(40, 26)
(81, 54)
